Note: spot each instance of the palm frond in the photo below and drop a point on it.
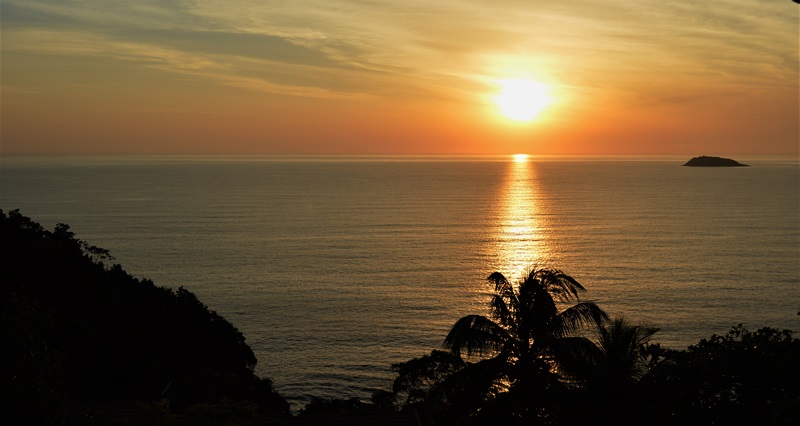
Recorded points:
(576, 357)
(475, 335)
(622, 362)
(562, 286)
(533, 295)
(467, 389)
(621, 330)
(621, 339)
(537, 310)
(498, 279)
(501, 312)
(503, 288)
(489, 373)
(576, 317)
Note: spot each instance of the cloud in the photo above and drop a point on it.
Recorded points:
(434, 49)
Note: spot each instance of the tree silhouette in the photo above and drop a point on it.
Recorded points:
(608, 371)
(618, 359)
(81, 330)
(741, 377)
(523, 337)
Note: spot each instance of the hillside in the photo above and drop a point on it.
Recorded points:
(81, 330)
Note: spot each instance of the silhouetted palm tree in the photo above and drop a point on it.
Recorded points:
(617, 359)
(621, 361)
(526, 330)
(609, 370)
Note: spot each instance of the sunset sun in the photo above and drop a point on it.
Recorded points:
(521, 100)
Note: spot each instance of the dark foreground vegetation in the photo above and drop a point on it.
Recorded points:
(86, 343)
(531, 363)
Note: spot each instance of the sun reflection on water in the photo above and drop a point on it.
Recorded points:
(520, 238)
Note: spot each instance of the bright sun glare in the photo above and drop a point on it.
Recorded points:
(521, 99)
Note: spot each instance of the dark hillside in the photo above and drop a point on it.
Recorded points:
(77, 329)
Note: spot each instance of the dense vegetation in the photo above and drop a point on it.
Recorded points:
(78, 332)
(543, 357)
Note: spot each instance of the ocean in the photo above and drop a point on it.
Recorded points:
(336, 267)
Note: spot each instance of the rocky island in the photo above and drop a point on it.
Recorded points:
(705, 161)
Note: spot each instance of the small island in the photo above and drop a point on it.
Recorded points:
(706, 161)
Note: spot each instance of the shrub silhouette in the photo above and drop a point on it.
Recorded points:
(742, 377)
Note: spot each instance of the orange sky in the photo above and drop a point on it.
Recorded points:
(398, 77)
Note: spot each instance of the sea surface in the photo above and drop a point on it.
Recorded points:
(336, 267)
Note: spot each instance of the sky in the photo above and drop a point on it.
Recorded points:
(398, 76)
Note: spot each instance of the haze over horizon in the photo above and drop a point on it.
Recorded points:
(394, 77)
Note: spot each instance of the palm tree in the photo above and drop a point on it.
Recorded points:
(608, 370)
(525, 331)
(620, 360)
(616, 361)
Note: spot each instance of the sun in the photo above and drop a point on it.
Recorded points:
(521, 99)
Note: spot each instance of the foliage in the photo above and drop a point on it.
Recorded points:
(87, 331)
(742, 377)
(420, 378)
(75, 329)
(226, 412)
(381, 401)
(605, 374)
(432, 384)
(526, 332)
(320, 406)
(31, 370)
(536, 367)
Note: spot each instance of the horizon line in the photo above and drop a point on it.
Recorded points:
(386, 157)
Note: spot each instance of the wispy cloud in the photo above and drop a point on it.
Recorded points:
(399, 41)
(661, 61)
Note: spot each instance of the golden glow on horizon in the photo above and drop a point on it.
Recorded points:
(553, 78)
(520, 158)
(521, 99)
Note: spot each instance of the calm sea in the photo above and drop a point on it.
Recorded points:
(335, 267)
